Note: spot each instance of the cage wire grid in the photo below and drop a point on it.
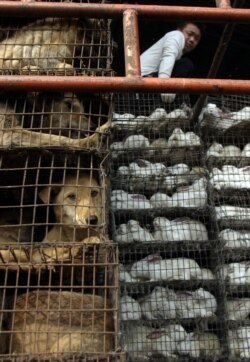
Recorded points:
(162, 242)
(39, 120)
(56, 46)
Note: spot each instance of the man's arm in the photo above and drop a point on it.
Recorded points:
(171, 51)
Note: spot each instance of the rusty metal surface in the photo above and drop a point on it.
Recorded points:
(67, 10)
(123, 84)
(131, 43)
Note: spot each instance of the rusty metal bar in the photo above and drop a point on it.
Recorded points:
(131, 43)
(123, 84)
(67, 10)
(223, 3)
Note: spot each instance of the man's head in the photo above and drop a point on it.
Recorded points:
(192, 33)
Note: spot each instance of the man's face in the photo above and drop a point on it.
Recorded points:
(192, 36)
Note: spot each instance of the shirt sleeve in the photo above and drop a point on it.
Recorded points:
(171, 51)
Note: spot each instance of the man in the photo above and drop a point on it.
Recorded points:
(164, 58)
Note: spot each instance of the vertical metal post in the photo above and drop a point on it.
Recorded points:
(131, 43)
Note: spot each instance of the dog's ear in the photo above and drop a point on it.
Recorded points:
(48, 193)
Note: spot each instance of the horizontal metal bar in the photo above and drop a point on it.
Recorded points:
(123, 84)
(67, 10)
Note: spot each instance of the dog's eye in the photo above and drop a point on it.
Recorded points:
(94, 193)
(72, 197)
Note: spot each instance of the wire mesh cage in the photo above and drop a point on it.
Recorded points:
(226, 117)
(52, 203)
(66, 120)
(147, 113)
(61, 312)
(56, 46)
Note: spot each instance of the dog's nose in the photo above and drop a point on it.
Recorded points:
(92, 220)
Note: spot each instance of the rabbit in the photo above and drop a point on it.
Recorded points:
(186, 196)
(132, 232)
(212, 116)
(179, 138)
(246, 150)
(47, 322)
(153, 268)
(236, 273)
(200, 345)
(230, 177)
(159, 304)
(138, 340)
(135, 142)
(217, 150)
(124, 275)
(200, 303)
(207, 274)
(122, 200)
(239, 342)
(180, 229)
(225, 212)
(238, 309)
(234, 239)
(130, 309)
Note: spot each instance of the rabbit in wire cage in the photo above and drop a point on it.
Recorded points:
(179, 229)
(49, 44)
(239, 342)
(238, 309)
(217, 150)
(236, 273)
(235, 238)
(52, 322)
(153, 268)
(230, 177)
(164, 303)
(132, 232)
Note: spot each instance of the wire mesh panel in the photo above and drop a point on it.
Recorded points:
(62, 311)
(55, 120)
(55, 46)
(48, 199)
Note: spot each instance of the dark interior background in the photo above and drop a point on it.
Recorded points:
(236, 62)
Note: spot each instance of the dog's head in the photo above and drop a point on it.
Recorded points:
(77, 202)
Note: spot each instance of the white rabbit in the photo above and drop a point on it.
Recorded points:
(217, 150)
(198, 345)
(158, 114)
(239, 342)
(179, 138)
(241, 116)
(160, 304)
(230, 177)
(167, 339)
(236, 273)
(225, 212)
(122, 200)
(186, 196)
(200, 303)
(213, 116)
(246, 151)
(153, 267)
(136, 141)
(180, 229)
(129, 308)
(124, 275)
(132, 232)
(238, 309)
(206, 274)
(139, 340)
(234, 238)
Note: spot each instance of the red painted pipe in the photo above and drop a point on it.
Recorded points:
(67, 10)
(123, 84)
(131, 43)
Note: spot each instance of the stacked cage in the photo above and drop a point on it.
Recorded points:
(172, 297)
(224, 123)
(58, 285)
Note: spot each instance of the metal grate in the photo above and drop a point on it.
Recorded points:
(55, 120)
(56, 46)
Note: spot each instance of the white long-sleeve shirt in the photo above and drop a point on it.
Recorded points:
(162, 55)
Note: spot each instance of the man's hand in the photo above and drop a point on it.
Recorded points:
(168, 97)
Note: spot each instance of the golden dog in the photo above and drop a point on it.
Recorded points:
(55, 322)
(78, 205)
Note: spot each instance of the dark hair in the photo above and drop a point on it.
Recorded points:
(200, 26)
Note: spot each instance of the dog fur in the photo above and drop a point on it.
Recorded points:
(78, 205)
(56, 322)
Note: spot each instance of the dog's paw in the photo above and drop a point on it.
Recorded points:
(92, 240)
